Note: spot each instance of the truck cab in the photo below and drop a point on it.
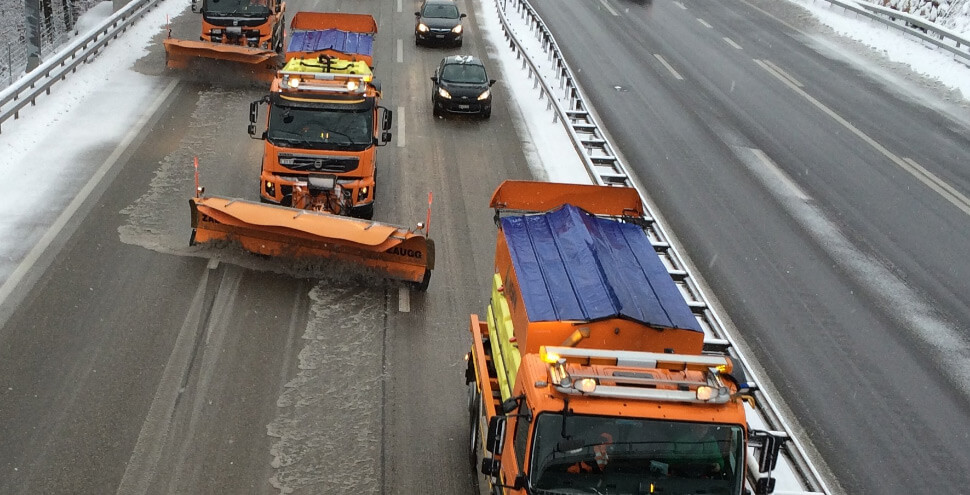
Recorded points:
(249, 23)
(323, 121)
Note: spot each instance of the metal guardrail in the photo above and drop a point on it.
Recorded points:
(912, 25)
(38, 81)
(593, 147)
(607, 169)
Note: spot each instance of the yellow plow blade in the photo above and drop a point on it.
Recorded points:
(180, 53)
(303, 234)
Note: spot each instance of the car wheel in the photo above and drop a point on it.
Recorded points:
(486, 113)
(458, 44)
(435, 110)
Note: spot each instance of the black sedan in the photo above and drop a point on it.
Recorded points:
(461, 85)
(438, 21)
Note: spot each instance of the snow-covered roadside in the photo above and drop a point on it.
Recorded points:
(896, 45)
(49, 154)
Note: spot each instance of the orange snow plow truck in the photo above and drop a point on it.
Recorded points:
(246, 32)
(323, 115)
(589, 373)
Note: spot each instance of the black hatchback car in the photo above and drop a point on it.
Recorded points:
(461, 85)
(438, 21)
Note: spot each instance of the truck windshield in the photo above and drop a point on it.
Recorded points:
(624, 456)
(320, 128)
(245, 8)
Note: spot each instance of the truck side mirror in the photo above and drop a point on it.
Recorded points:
(766, 445)
(491, 467)
(770, 444)
(388, 118)
(495, 440)
(253, 111)
(385, 137)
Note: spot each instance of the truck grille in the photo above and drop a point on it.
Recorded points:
(318, 163)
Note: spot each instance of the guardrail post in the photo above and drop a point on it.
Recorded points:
(32, 13)
(9, 66)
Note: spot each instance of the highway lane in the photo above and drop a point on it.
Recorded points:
(137, 364)
(783, 171)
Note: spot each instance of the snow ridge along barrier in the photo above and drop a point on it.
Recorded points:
(79, 51)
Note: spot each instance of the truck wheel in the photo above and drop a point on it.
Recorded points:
(422, 286)
(474, 411)
(366, 212)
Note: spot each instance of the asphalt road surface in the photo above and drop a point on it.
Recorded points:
(136, 364)
(825, 206)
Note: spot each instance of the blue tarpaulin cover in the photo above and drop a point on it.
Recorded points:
(575, 266)
(331, 39)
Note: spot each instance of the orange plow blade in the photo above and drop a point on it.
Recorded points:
(180, 53)
(279, 231)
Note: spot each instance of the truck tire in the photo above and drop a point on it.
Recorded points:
(366, 212)
(474, 412)
(422, 286)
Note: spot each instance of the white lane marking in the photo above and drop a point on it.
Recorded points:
(704, 23)
(936, 184)
(156, 428)
(780, 176)
(400, 6)
(400, 50)
(913, 311)
(404, 300)
(213, 264)
(771, 66)
(668, 66)
(400, 127)
(680, 5)
(732, 43)
(18, 273)
(611, 9)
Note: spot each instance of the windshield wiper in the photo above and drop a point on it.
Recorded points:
(299, 139)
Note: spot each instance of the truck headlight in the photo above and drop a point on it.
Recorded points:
(442, 92)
